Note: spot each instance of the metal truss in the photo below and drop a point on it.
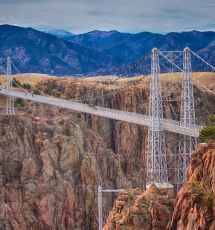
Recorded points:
(186, 143)
(156, 154)
(10, 100)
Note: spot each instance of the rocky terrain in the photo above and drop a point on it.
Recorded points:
(134, 210)
(48, 174)
(194, 205)
(49, 178)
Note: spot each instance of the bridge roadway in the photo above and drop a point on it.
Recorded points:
(135, 118)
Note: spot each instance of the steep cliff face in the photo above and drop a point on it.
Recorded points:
(48, 171)
(134, 210)
(194, 204)
(48, 175)
(127, 140)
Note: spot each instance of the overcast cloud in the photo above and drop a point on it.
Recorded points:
(79, 16)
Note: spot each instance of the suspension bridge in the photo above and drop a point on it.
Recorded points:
(161, 168)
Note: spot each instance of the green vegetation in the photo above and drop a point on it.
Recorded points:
(107, 83)
(58, 94)
(16, 83)
(197, 187)
(48, 90)
(61, 122)
(3, 132)
(67, 131)
(79, 115)
(209, 202)
(36, 92)
(26, 86)
(208, 133)
(19, 100)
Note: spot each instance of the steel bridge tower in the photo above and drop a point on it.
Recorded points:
(10, 100)
(156, 155)
(186, 143)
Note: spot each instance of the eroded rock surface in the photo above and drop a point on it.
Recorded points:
(194, 205)
(48, 180)
(135, 210)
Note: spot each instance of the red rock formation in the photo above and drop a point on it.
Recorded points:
(194, 205)
(134, 210)
(49, 180)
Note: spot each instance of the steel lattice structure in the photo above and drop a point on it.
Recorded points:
(10, 100)
(156, 155)
(186, 143)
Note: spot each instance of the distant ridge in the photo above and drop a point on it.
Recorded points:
(37, 52)
(61, 33)
(96, 52)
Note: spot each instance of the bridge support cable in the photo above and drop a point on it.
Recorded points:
(29, 82)
(208, 64)
(156, 155)
(85, 97)
(187, 118)
(10, 100)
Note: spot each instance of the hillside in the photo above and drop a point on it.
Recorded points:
(96, 52)
(129, 48)
(33, 51)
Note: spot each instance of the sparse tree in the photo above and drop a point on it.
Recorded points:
(208, 133)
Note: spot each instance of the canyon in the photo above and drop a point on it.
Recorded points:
(52, 161)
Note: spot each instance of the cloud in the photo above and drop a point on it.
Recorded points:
(80, 16)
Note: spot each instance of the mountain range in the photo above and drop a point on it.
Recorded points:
(96, 52)
(60, 33)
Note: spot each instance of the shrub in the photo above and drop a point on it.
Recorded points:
(61, 122)
(79, 115)
(36, 92)
(19, 100)
(196, 187)
(209, 202)
(3, 132)
(16, 83)
(208, 133)
(58, 94)
(26, 86)
(48, 90)
(67, 132)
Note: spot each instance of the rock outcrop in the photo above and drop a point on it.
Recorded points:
(134, 210)
(48, 174)
(194, 205)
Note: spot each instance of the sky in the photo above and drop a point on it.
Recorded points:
(80, 16)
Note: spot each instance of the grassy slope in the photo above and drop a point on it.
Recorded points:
(206, 78)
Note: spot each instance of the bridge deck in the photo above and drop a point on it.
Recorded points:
(167, 124)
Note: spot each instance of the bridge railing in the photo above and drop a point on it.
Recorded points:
(166, 124)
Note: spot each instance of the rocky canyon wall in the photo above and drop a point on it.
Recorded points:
(48, 178)
(48, 173)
